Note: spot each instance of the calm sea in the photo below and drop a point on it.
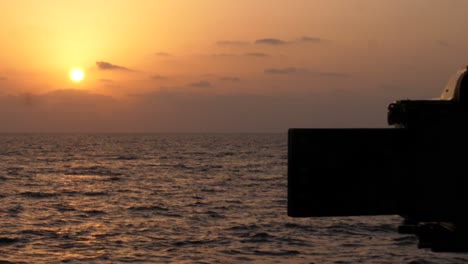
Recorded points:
(173, 198)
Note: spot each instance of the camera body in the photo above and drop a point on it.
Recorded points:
(415, 169)
(443, 113)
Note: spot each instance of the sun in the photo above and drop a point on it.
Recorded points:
(77, 75)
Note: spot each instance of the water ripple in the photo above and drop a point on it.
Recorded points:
(173, 199)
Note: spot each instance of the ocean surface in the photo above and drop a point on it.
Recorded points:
(195, 198)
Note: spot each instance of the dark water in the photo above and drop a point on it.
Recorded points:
(173, 198)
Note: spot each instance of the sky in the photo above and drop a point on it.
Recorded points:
(221, 66)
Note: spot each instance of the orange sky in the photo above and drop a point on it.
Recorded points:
(195, 66)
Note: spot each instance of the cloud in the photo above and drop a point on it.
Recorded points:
(228, 43)
(159, 77)
(60, 111)
(184, 110)
(279, 42)
(284, 71)
(230, 79)
(248, 54)
(442, 43)
(332, 74)
(271, 41)
(3, 78)
(200, 84)
(106, 80)
(310, 40)
(268, 41)
(219, 55)
(296, 70)
(106, 66)
(163, 54)
(256, 54)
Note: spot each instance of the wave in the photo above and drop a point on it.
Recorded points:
(91, 170)
(277, 253)
(405, 241)
(94, 212)
(39, 194)
(261, 237)
(7, 262)
(7, 241)
(127, 157)
(148, 208)
(14, 171)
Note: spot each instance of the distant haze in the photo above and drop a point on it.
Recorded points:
(221, 66)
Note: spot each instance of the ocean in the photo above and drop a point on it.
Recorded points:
(175, 198)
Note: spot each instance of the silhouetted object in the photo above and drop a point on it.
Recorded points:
(416, 170)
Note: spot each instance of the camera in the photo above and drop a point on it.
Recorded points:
(442, 114)
(415, 169)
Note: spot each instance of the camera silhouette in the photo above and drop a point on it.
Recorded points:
(415, 169)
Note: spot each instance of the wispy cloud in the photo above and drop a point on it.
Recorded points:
(159, 77)
(106, 80)
(227, 43)
(271, 41)
(220, 55)
(200, 84)
(248, 54)
(442, 43)
(332, 74)
(106, 66)
(296, 70)
(306, 39)
(284, 71)
(163, 54)
(3, 78)
(230, 79)
(280, 42)
(256, 54)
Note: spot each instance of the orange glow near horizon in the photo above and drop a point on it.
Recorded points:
(157, 62)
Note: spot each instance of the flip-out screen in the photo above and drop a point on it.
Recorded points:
(345, 172)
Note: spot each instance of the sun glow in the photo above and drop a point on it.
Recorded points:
(77, 75)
